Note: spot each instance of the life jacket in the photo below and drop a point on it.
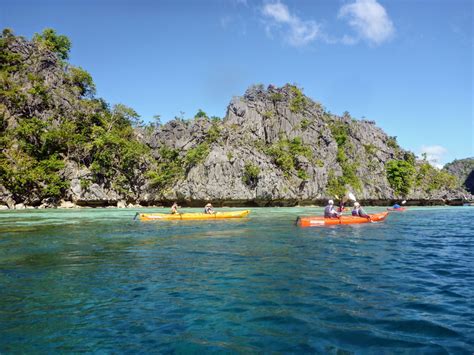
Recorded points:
(329, 211)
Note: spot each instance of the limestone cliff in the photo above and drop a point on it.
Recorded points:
(463, 169)
(276, 146)
(61, 145)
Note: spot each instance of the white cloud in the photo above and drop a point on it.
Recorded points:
(296, 31)
(369, 19)
(278, 11)
(434, 154)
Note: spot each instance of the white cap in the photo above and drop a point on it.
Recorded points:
(331, 202)
(356, 204)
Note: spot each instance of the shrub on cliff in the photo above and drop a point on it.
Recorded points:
(251, 173)
(429, 179)
(196, 155)
(285, 153)
(214, 132)
(83, 81)
(56, 43)
(172, 165)
(169, 168)
(400, 175)
(298, 101)
(29, 176)
(335, 185)
(340, 133)
(200, 114)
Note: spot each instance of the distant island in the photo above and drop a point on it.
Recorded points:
(61, 146)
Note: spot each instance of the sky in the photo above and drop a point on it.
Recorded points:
(407, 64)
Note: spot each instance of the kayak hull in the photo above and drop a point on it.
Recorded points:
(401, 209)
(192, 216)
(316, 221)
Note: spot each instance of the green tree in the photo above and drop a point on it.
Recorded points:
(169, 168)
(200, 114)
(59, 44)
(82, 80)
(298, 101)
(285, 153)
(335, 185)
(213, 133)
(123, 116)
(392, 142)
(429, 178)
(400, 175)
(196, 155)
(251, 172)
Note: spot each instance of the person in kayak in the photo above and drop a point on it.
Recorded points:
(174, 208)
(342, 207)
(208, 209)
(396, 206)
(330, 212)
(358, 211)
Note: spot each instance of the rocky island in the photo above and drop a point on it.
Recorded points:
(63, 146)
(463, 169)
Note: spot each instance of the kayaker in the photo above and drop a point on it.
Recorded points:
(208, 209)
(330, 212)
(358, 211)
(174, 208)
(341, 207)
(396, 206)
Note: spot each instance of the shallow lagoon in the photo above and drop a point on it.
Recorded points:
(96, 280)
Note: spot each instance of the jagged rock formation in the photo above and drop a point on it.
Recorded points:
(275, 146)
(302, 154)
(463, 169)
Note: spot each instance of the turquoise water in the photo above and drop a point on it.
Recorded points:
(95, 280)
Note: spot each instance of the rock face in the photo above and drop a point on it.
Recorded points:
(91, 194)
(261, 129)
(61, 146)
(463, 169)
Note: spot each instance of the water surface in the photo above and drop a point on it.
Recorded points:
(95, 280)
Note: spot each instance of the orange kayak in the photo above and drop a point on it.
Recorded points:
(321, 221)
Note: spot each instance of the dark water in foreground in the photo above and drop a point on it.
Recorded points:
(94, 280)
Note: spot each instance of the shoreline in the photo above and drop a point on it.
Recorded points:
(231, 204)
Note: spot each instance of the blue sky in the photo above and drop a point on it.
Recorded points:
(407, 64)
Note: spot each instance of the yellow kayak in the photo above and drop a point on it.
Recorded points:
(191, 216)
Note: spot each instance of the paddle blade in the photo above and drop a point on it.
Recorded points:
(403, 202)
(351, 196)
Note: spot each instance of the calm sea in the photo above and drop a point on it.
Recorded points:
(97, 281)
